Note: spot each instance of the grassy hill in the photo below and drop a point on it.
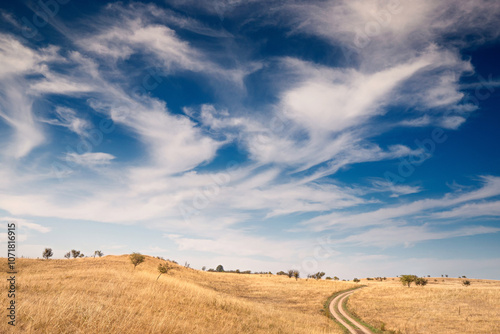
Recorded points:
(442, 306)
(106, 295)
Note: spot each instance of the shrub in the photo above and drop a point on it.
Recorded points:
(163, 269)
(98, 253)
(421, 281)
(47, 253)
(67, 255)
(75, 253)
(296, 274)
(136, 259)
(318, 275)
(220, 268)
(355, 280)
(466, 282)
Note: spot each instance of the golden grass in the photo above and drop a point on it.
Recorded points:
(105, 295)
(439, 307)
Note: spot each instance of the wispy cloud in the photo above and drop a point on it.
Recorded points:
(490, 188)
(90, 159)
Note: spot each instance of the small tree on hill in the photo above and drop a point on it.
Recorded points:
(136, 259)
(408, 279)
(98, 253)
(67, 255)
(75, 253)
(219, 268)
(356, 280)
(335, 278)
(47, 253)
(163, 269)
(296, 274)
(466, 282)
(290, 273)
(82, 255)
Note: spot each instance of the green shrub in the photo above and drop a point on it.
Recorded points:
(136, 259)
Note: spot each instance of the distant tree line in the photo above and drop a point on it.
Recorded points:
(48, 253)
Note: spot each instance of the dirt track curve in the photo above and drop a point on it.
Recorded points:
(337, 310)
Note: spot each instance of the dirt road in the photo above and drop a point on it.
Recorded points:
(338, 311)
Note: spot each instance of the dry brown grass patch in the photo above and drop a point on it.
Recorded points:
(106, 295)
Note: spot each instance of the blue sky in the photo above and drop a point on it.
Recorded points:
(359, 138)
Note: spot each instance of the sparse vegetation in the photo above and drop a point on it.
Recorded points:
(136, 259)
(47, 253)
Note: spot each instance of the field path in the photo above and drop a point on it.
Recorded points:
(339, 313)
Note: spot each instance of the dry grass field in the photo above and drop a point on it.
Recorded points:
(106, 295)
(440, 307)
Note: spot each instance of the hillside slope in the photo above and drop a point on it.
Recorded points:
(106, 295)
